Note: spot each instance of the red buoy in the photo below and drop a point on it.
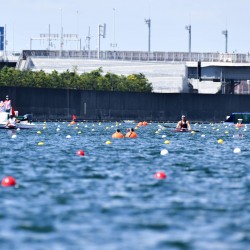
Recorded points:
(160, 175)
(80, 152)
(8, 181)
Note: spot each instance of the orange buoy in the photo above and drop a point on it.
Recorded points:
(73, 122)
(139, 124)
(131, 134)
(117, 134)
(144, 123)
(8, 181)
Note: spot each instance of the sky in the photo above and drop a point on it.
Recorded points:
(125, 22)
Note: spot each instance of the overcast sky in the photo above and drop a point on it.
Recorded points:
(27, 19)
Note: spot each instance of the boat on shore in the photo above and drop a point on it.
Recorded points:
(25, 121)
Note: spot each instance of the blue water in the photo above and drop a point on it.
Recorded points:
(109, 198)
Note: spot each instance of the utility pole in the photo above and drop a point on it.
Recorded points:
(88, 38)
(225, 33)
(148, 22)
(189, 29)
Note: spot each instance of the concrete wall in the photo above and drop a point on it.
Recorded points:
(165, 77)
(56, 104)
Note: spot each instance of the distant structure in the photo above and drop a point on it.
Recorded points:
(188, 28)
(114, 44)
(225, 33)
(148, 22)
(101, 33)
(62, 38)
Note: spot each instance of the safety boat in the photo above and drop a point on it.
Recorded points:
(239, 118)
(25, 121)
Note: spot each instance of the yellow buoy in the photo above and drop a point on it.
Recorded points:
(108, 142)
(39, 132)
(167, 142)
(40, 143)
(220, 141)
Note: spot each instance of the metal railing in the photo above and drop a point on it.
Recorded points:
(141, 56)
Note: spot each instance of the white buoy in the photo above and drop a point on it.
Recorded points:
(58, 129)
(203, 136)
(13, 136)
(164, 152)
(164, 136)
(237, 150)
(68, 136)
(18, 129)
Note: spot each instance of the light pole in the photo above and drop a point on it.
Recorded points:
(114, 44)
(148, 22)
(225, 33)
(77, 26)
(61, 43)
(189, 29)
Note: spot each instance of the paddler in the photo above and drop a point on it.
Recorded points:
(118, 134)
(12, 121)
(183, 124)
(131, 133)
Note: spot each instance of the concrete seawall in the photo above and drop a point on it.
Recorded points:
(60, 104)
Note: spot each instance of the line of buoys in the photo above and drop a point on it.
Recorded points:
(8, 181)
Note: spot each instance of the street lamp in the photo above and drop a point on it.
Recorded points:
(148, 22)
(225, 33)
(188, 28)
(61, 43)
(114, 44)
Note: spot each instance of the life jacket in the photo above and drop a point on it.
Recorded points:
(184, 124)
(7, 104)
(117, 135)
(12, 121)
(131, 134)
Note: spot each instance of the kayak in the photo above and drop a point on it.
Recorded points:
(15, 127)
(183, 130)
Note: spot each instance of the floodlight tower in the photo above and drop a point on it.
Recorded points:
(189, 29)
(225, 33)
(148, 22)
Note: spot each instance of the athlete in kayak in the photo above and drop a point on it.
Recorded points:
(11, 123)
(183, 124)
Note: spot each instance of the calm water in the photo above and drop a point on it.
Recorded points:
(110, 200)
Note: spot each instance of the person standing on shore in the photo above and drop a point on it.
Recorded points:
(7, 104)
